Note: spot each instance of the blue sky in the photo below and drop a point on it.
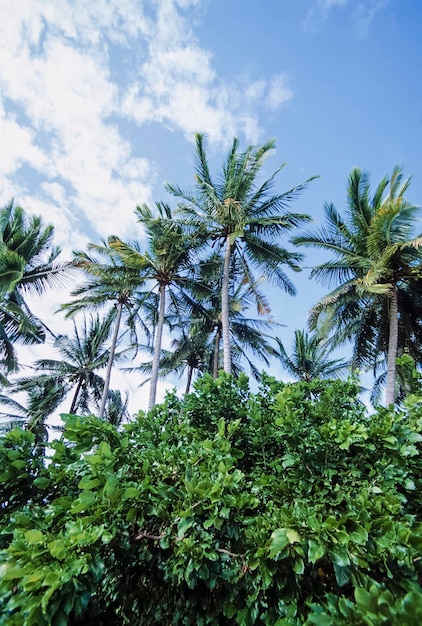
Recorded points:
(100, 100)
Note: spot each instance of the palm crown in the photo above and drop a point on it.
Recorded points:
(375, 260)
(246, 218)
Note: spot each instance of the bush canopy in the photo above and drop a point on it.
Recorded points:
(287, 506)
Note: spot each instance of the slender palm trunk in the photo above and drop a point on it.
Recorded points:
(189, 380)
(225, 310)
(76, 395)
(157, 348)
(216, 352)
(393, 336)
(111, 359)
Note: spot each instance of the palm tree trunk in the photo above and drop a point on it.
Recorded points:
(157, 348)
(225, 310)
(392, 348)
(189, 380)
(111, 359)
(216, 352)
(76, 395)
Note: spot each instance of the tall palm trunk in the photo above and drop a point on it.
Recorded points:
(111, 359)
(157, 347)
(76, 395)
(225, 309)
(392, 347)
(216, 352)
(189, 379)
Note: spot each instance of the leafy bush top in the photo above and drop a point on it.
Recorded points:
(285, 507)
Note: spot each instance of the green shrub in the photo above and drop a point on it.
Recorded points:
(285, 507)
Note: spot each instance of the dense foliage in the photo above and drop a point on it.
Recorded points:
(285, 507)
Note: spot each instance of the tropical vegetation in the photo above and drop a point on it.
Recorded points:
(242, 215)
(376, 265)
(270, 502)
(28, 265)
(290, 506)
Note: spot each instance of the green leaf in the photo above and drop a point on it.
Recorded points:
(130, 492)
(41, 482)
(34, 536)
(289, 460)
(315, 551)
(87, 483)
(184, 525)
(12, 573)
(293, 536)
(111, 484)
(342, 574)
(57, 549)
(409, 484)
(365, 600)
(320, 619)
(279, 542)
(86, 498)
(359, 534)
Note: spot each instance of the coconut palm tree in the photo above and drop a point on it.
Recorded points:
(166, 264)
(110, 283)
(76, 371)
(376, 264)
(196, 348)
(309, 358)
(28, 265)
(245, 219)
(187, 353)
(116, 409)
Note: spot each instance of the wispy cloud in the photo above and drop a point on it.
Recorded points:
(177, 85)
(362, 13)
(318, 13)
(365, 13)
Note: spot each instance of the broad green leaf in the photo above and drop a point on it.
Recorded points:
(342, 574)
(57, 549)
(359, 534)
(111, 483)
(315, 551)
(34, 536)
(41, 482)
(279, 541)
(320, 619)
(130, 492)
(87, 483)
(184, 525)
(11, 573)
(293, 536)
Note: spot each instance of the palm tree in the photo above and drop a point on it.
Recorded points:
(111, 284)
(188, 352)
(310, 358)
(196, 349)
(81, 357)
(28, 265)
(167, 264)
(377, 265)
(116, 409)
(245, 219)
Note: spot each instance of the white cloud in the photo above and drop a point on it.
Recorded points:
(57, 71)
(363, 13)
(177, 85)
(18, 146)
(279, 92)
(318, 13)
